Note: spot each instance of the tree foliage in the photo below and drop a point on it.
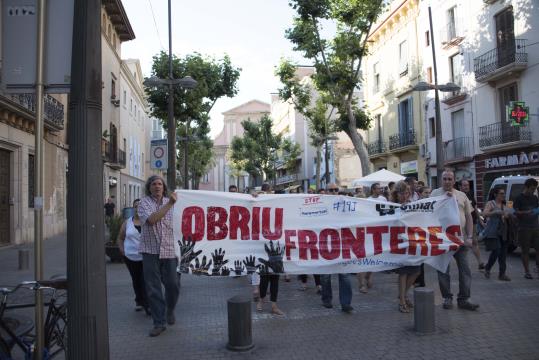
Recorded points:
(337, 60)
(257, 151)
(216, 78)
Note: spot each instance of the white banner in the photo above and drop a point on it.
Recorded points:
(234, 234)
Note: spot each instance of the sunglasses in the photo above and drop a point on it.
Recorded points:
(333, 190)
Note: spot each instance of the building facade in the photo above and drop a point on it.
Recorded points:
(133, 132)
(220, 177)
(391, 69)
(115, 29)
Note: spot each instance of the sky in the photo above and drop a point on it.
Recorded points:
(251, 32)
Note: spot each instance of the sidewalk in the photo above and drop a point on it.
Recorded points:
(505, 327)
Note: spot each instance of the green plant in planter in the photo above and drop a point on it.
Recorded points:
(114, 224)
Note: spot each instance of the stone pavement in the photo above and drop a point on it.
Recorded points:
(505, 327)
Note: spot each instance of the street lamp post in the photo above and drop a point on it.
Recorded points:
(186, 83)
(423, 86)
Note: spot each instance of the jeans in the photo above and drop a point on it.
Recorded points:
(157, 271)
(465, 277)
(499, 253)
(137, 278)
(345, 289)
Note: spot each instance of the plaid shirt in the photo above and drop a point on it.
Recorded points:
(158, 238)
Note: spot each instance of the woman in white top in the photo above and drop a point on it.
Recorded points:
(129, 242)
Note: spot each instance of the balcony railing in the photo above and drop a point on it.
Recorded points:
(53, 110)
(490, 62)
(402, 140)
(286, 179)
(499, 134)
(376, 147)
(459, 149)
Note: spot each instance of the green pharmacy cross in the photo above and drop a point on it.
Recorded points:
(517, 113)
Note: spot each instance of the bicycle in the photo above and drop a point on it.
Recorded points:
(16, 330)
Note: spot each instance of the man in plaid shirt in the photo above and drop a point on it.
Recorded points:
(158, 256)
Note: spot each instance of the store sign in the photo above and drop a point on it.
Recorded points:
(512, 160)
(517, 113)
(409, 167)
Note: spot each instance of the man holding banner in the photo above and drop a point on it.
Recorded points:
(461, 255)
(158, 253)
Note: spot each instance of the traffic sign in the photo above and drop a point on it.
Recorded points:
(158, 154)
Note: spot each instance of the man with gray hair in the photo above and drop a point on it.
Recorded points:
(158, 254)
(461, 255)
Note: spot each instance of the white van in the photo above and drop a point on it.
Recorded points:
(513, 186)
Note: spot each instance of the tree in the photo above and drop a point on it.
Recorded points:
(315, 106)
(338, 60)
(215, 79)
(256, 152)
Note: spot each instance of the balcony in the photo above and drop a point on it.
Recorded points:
(451, 34)
(500, 62)
(53, 111)
(114, 159)
(402, 142)
(286, 179)
(454, 97)
(377, 149)
(502, 136)
(458, 150)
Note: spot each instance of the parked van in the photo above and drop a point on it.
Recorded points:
(513, 186)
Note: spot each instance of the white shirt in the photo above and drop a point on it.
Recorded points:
(132, 241)
(380, 197)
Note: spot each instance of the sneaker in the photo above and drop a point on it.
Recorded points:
(504, 278)
(327, 305)
(347, 309)
(448, 304)
(363, 289)
(466, 305)
(139, 308)
(171, 318)
(481, 266)
(157, 330)
(528, 276)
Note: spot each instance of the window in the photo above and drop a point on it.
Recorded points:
(505, 37)
(427, 38)
(206, 178)
(451, 24)
(376, 80)
(403, 58)
(125, 98)
(31, 173)
(432, 127)
(455, 64)
(379, 127)
(113, 89)
(429, 75)
(135, 112)
(130, 105)
(506, 94)
(406, 121)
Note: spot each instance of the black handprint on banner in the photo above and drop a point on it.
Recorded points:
(238, 267)
(275, 258)
(263, 269)
(187, 253)
(249, 263)
(200, 268)
(225, 271)
(218, 261)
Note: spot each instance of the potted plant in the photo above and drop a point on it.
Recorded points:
(114, 223)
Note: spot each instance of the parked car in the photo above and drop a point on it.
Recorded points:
(513, 186)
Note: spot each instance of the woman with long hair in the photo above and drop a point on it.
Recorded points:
(407, 274)
(495, 236)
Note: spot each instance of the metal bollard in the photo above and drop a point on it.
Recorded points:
(240, 336)
(424, 317)
(24, 259)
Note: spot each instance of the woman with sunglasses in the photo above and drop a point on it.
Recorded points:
(129, 243)
(495, 234)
